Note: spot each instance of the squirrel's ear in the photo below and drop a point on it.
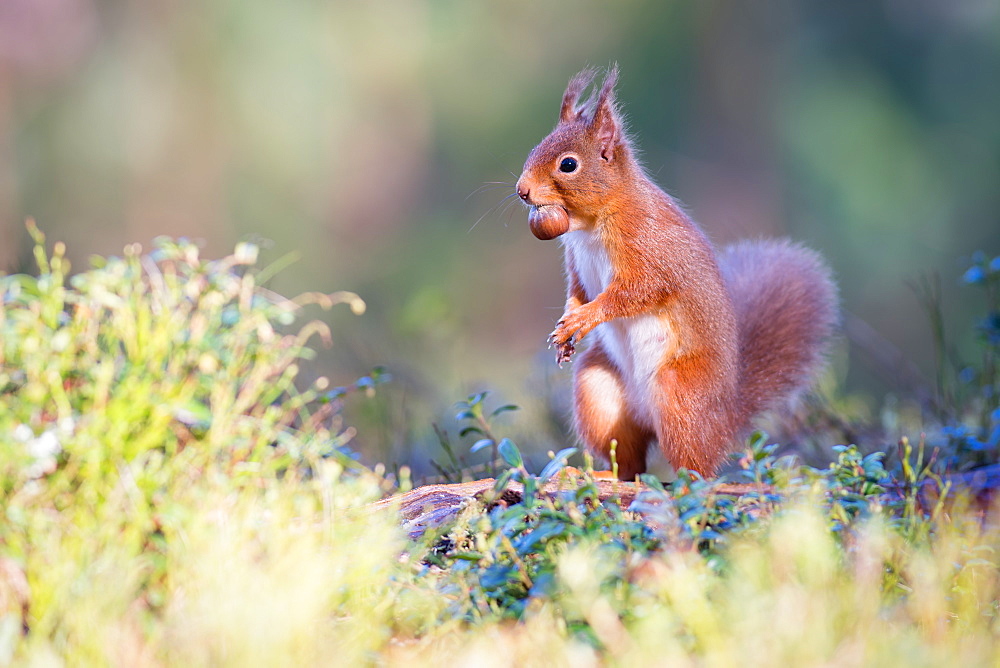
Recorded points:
(569, 111)
(606, 124)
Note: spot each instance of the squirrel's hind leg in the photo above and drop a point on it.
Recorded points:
(698, 424)
(602, 415)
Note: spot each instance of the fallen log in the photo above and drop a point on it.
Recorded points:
(431, 506)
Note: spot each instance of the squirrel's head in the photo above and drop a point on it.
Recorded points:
(570, 176)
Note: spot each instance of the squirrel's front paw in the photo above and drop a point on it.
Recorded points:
(564, 350)
(563, 337)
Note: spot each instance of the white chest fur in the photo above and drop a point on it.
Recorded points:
(635, 345)
(586, 253)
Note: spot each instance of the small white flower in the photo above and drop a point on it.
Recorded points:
(23, 433)
(45, 446)
(65, 426)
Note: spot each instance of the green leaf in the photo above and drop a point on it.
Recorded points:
(481, 444)
(652, 481)
(530, 490)
(757, 440)
(510, 454)
(502, 481)
(557, 464)
(504, 409)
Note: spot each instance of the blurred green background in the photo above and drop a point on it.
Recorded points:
(377, 140)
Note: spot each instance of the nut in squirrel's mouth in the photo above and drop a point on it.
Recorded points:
(548, 221)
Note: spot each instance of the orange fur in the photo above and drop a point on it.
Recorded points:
(690, 345)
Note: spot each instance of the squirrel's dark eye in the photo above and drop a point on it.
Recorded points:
(568, 165)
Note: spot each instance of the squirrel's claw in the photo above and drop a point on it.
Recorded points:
(564, 343)
(564, 352)
(564, 337)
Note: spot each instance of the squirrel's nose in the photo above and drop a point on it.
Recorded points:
(522, 191)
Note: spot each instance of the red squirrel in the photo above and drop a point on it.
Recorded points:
(689, 343)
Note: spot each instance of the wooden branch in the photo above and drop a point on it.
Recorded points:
(430, 506)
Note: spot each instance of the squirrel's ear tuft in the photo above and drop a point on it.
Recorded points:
(606, 124)
(570, 112)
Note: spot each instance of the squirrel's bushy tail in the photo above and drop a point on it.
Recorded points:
(786, 302)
